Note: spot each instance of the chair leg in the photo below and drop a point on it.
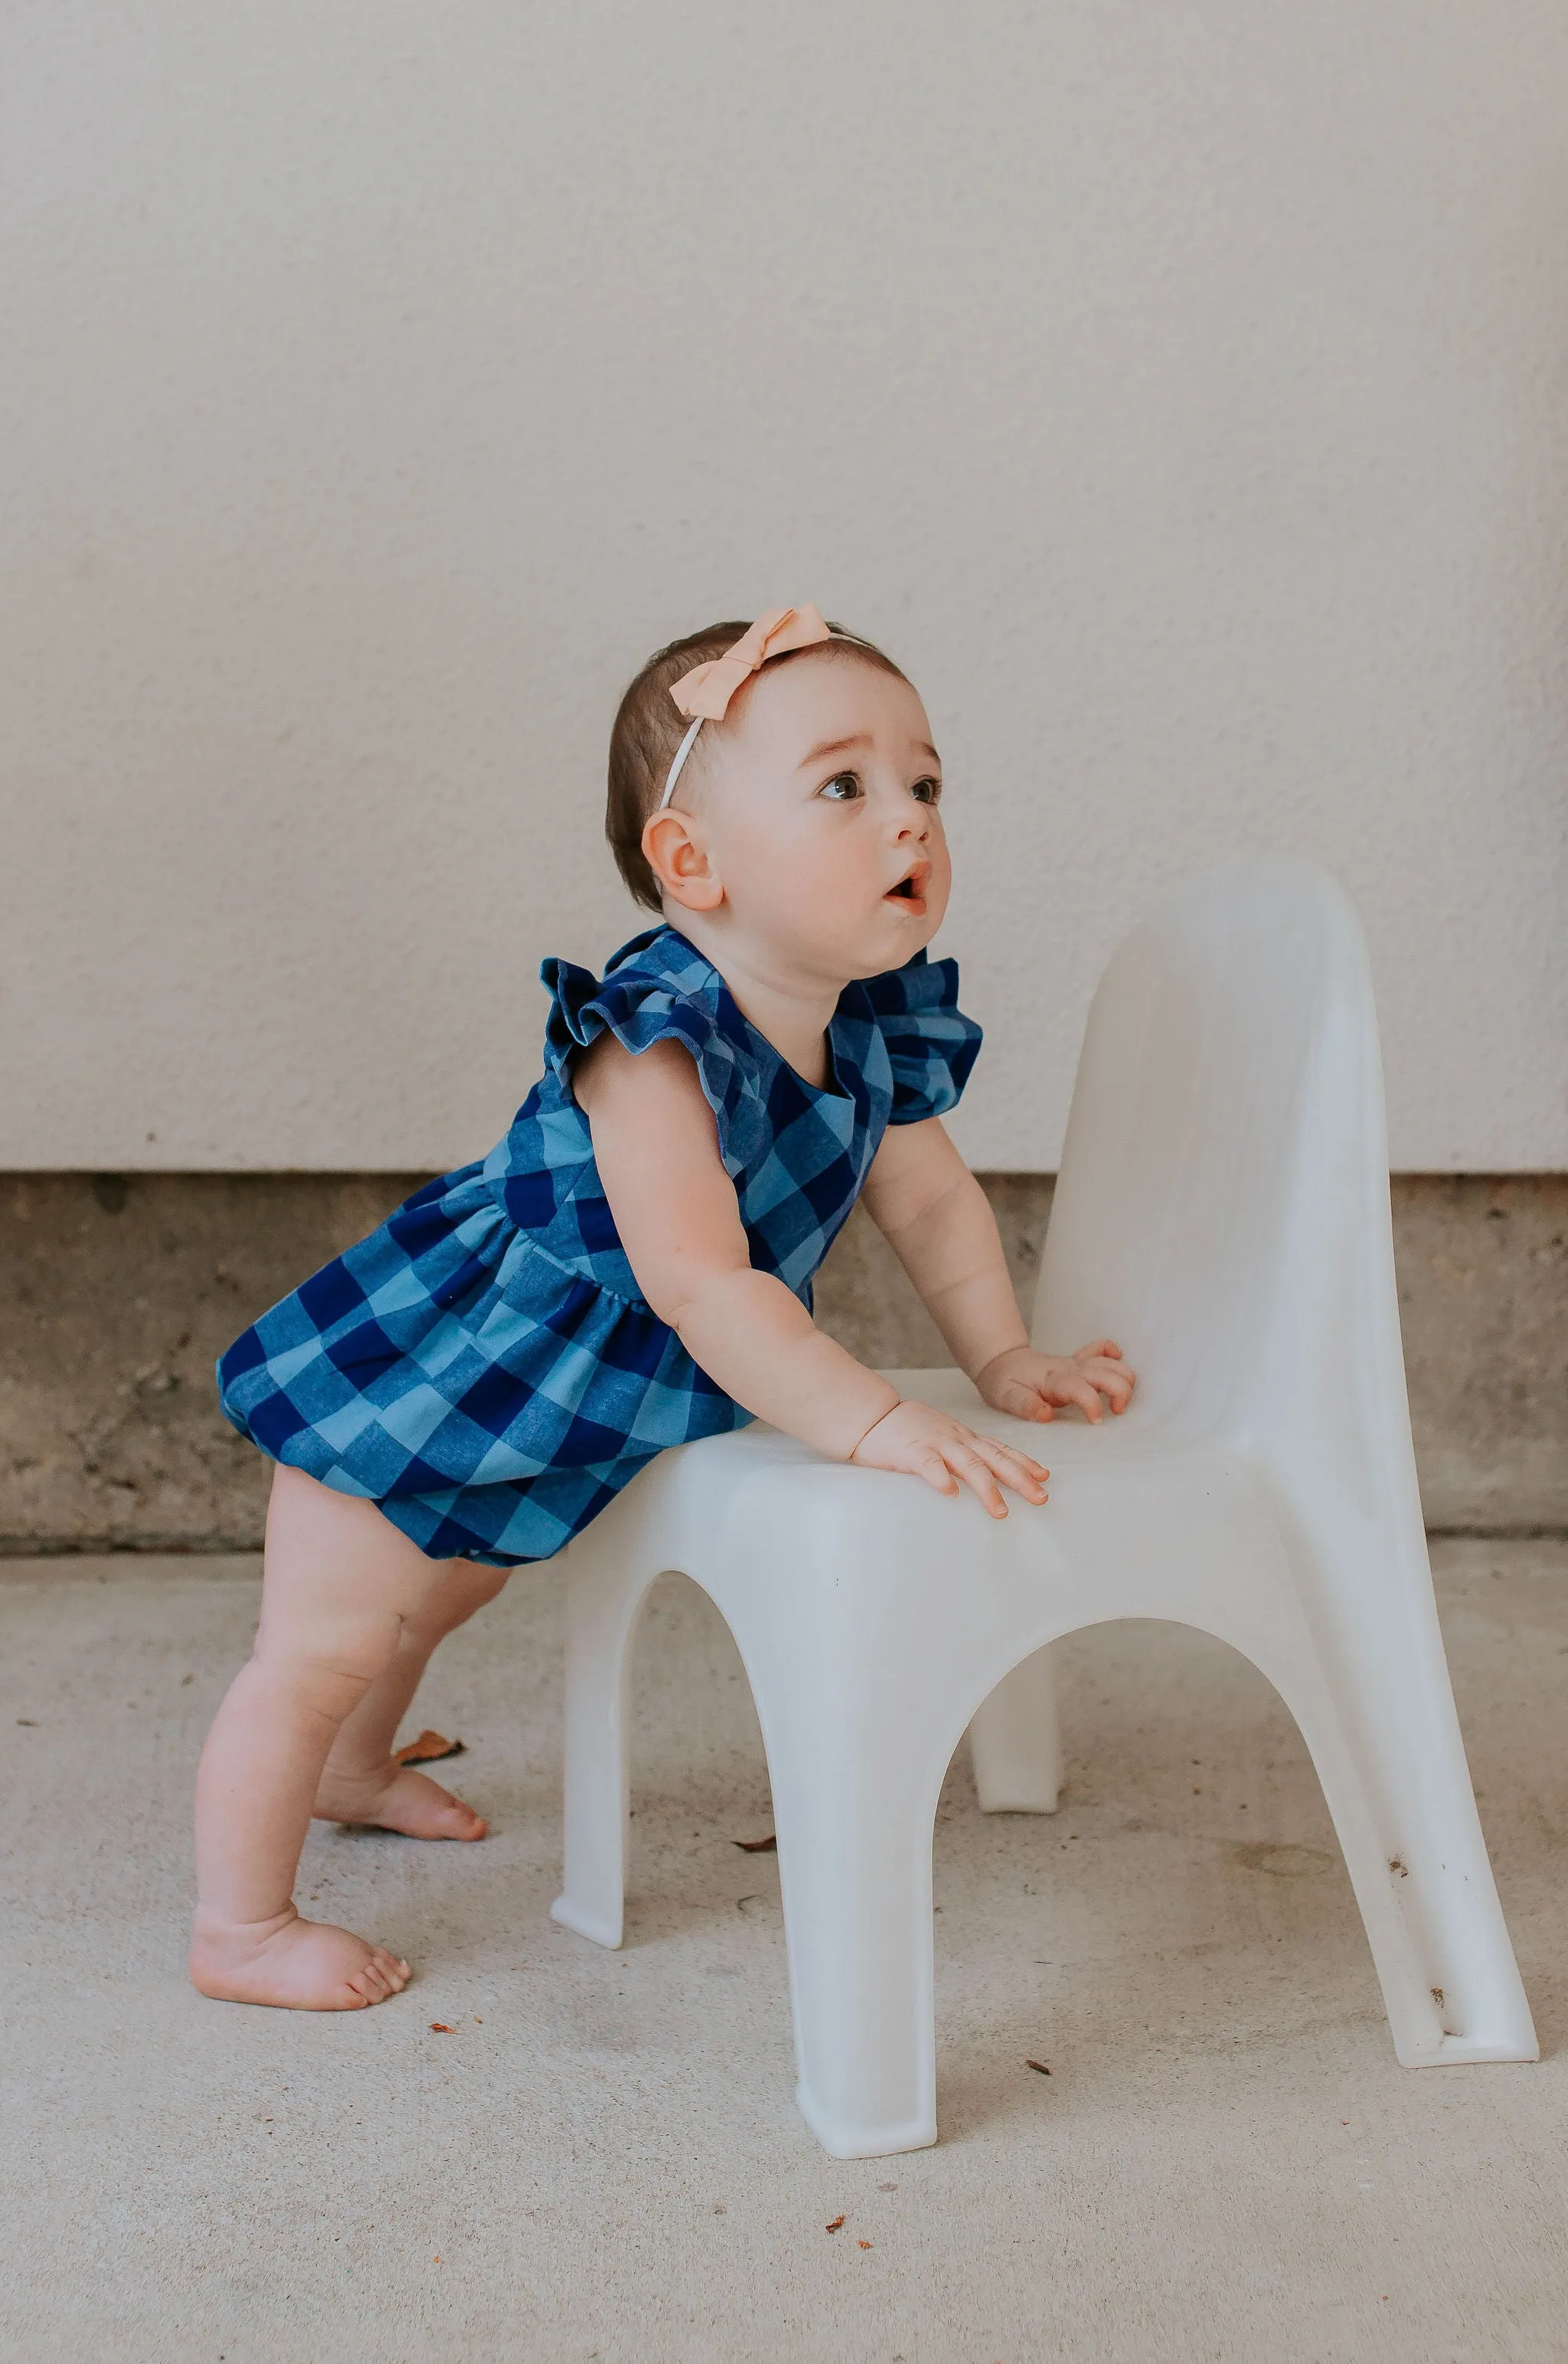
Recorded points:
(603, 1605)
(854, 1825)
(1015, 1743)
(1387, 1744)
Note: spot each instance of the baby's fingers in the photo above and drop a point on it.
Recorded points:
(1117, 1384)
(1024, 1475)
(1074, 1388)
(966, 1461)
(932, 1467)
(1024, 1401)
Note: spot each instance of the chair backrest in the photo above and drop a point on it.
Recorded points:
(1222, 1209)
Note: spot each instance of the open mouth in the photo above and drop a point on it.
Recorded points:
(910, 890)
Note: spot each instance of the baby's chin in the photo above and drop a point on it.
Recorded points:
(885, 937)
(825, 937)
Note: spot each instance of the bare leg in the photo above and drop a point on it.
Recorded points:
(341, 1583)
(360, 1782)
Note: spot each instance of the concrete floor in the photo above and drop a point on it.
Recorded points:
(602, 2160)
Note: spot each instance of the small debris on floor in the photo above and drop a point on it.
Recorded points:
(836, 2227)
(758, 1847)
(428, 1749)
(1038, 2065)
(439, 2027)
(863, 2244)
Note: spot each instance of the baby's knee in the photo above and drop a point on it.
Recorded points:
(330, 1661)
(480, 1584)
(465, 1586)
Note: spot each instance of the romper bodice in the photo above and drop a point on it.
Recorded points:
(900, 1050)
(483, 1365)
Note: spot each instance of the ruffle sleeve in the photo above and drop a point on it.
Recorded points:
(641, 1008)
(930, 1042)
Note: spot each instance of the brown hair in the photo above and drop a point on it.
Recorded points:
(649, 727)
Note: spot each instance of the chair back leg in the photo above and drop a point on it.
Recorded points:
(605, 1594)
(1385, 1738)
(1015, 1743)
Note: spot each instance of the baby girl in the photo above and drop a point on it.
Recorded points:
(631, 1266)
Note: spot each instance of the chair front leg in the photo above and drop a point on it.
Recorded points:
(854, 1823)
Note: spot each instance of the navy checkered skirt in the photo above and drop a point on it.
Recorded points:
(484, 1366)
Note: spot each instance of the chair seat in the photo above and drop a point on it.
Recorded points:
(1138, 1514)
(1065, 1441)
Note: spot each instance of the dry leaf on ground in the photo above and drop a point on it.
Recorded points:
(835, 2226)
(428, 1749)
(758, 1847)
(1038, 2065)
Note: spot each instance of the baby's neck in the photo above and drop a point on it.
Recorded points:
(790, 1010)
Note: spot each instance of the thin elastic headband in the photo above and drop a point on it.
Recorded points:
(678, 766)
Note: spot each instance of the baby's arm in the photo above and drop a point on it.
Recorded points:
(938, 1222)
(656, 1146)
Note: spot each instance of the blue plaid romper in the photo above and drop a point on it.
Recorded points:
(484, 1366)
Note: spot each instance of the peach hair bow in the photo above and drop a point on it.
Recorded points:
(704, 693)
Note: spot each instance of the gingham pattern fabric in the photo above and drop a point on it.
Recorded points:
(483, 1365)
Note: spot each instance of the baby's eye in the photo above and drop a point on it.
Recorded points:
(842, 788)
(927, 792)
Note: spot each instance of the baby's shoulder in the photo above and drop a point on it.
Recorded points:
(608, 1078)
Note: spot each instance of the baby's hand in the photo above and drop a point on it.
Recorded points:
(1028, 1384)
(932, 1446)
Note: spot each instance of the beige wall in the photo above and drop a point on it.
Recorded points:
(1177, 390)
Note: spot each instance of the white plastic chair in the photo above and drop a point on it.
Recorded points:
(1222, 1211)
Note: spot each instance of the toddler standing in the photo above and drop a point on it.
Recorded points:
(631, 1266)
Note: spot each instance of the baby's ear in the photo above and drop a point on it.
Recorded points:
(674, 849)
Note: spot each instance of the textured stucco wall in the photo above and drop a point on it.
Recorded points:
(1178, 390)
(117, 1292)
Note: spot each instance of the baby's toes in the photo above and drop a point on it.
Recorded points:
(463, 1821)
(423, 1810)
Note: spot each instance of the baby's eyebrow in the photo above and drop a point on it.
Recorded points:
(861, 738)
(834, 747)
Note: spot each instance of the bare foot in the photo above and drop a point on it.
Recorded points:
(299, 1965)
(395, 1798)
